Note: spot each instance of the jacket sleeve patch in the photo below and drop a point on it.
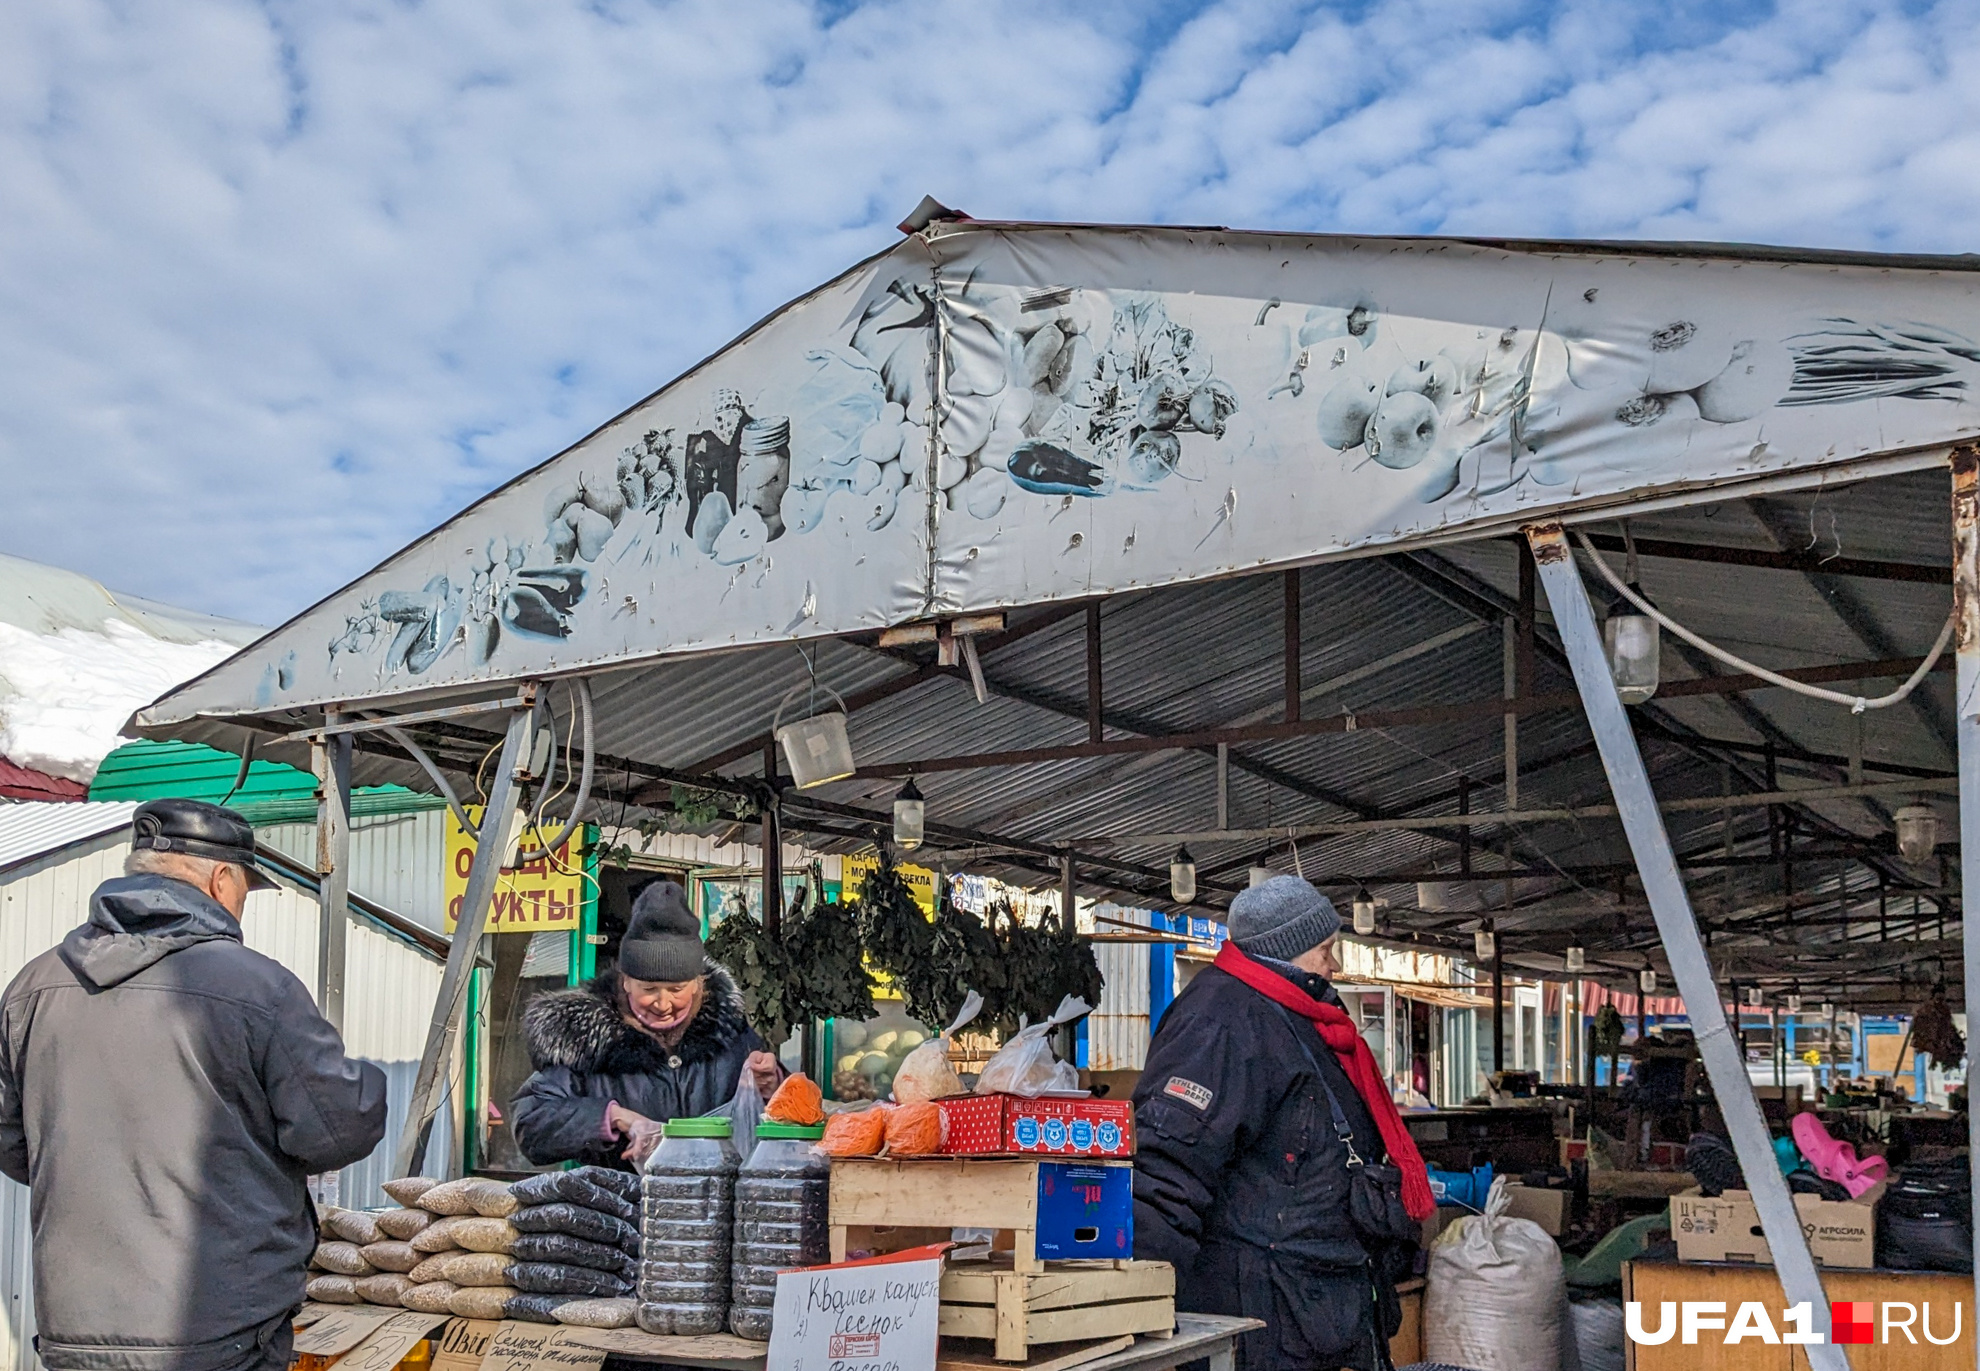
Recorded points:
(1196, 1096)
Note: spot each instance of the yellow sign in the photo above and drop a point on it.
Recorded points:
(541, 897)
(853, 872)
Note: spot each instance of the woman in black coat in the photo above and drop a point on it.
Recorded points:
(662, 1036)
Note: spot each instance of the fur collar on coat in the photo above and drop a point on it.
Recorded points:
(582, 1029)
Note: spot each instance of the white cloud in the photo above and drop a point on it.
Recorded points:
(282, 286)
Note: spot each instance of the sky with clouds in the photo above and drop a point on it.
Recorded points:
(282, 285)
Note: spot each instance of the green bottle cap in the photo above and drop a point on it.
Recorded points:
(700, 1128)
(810, 1132)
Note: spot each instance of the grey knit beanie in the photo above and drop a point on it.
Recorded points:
(663, 937)
(1281, 919)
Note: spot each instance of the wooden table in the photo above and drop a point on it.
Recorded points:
(1197, 1336)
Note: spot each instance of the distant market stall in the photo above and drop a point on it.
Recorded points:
(1134, 558)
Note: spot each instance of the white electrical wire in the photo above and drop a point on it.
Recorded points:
(1857, 703)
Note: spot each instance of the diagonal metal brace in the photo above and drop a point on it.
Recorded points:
(1656, 863)
(430, 1086)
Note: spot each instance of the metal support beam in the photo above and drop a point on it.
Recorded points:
(1966, 710)
(430, 1086)
(773, 852)
(1656, 863)
(330, 758)
(1498, 1001)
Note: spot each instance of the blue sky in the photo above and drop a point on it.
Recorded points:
(282, 285)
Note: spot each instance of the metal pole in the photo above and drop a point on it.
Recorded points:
(773, 852)
(1650, 844)
(1498, 1002)
(1966, 640)
(1510, 652)
(331, 759)
(431, 1084)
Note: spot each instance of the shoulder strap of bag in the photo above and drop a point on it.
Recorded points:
(1301, 1031)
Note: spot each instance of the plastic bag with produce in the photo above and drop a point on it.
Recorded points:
(1025, 1065)
(925, 1074)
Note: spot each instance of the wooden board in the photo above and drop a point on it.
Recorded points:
(1059, 1325)
(937, 1192)
(1059, 1357)
(1062, 1284)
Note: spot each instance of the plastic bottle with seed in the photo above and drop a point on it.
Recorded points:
(783, 1204)
(687, 1222)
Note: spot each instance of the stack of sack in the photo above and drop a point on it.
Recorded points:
(576, 1256)
(444, 1252)
(562, 1247)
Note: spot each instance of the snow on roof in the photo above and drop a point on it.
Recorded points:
(76, 659)
(35, 829)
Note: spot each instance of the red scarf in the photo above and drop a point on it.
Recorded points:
(1338, 1032)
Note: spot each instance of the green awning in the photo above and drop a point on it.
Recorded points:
(273, 793)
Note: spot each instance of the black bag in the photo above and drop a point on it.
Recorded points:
(578, 1222)
(565, 1250)
(1375, 1200)
(550, 1278)
(535, 1308)
(552, 1186)
(1925, 1219)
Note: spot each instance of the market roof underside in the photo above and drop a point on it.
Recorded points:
(1106, 711)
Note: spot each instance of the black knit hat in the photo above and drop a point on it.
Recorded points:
(663, 939)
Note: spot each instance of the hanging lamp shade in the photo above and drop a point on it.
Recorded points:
(1917, 832)
(910, 817)
(1182, 876)
(1646, 981)
(1364, 912)
(1484, 943)
(1577, 959)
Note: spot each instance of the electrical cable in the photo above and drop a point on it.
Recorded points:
(583, 689)
(1857, 703)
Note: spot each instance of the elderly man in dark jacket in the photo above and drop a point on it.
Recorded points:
(163, 1094)
(661, 1036)
(1243, 1172)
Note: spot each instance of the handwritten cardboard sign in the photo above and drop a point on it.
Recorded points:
(463, 1343)
(874, 1315)
(518, 1346)
(386, 1344)
(338, 1332)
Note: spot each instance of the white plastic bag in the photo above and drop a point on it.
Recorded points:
(925, 1073)
(1495, 1292)
(1025, 1065)
(1598, 1333)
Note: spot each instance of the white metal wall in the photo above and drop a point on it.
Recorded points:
(1117, 1030)
(398, 860)
(389, 994)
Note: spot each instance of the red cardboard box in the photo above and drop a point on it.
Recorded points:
(1050, 1125)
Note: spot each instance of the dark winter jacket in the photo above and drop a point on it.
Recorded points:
(586, 1056)
(1241, 1182)
(163, 1092)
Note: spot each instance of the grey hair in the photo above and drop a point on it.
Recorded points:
(179, 866)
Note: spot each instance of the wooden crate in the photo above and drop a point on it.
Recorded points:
(891, 1205)
(1070, 1302)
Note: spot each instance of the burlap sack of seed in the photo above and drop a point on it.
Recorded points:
(449, 1198)
(407, 1190)
(389, 1288)
(436, 1237)
(404, 1224)
(342, 1258)
(333, 1290)
(392, 1256)
(478, 1268)
(353, 1225)
(598, 1313)
(433, 1297)
(492, 1200)
(434, 1268)
(481, 1302)
(484, 1235)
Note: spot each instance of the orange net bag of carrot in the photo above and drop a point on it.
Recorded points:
(856, 1135)
(798, 1100)
(914, 1130)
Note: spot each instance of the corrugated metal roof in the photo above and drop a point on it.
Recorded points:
(35, 829)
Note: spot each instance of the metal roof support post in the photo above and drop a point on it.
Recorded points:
(1650, 844)
(331, 759)
(1966, 702)
(431, 1083)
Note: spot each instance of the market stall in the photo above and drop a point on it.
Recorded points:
(1126, 561)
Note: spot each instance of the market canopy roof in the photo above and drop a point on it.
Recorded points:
(1030, 420)
(995, 415)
